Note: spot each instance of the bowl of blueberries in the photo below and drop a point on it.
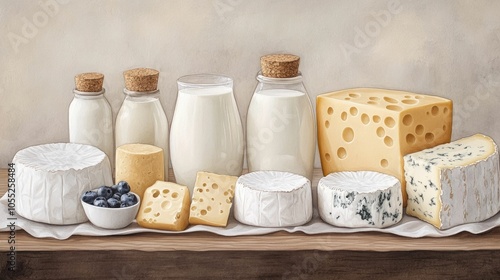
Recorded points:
(111, 207)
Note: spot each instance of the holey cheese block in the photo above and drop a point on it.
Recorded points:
(372, 129)
(273, 199)
(165, 206)
(212, 199)
(360, 199)
(140, 165)
(51, 178)
(454, 183)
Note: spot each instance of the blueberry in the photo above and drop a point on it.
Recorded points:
(89, 197)
(128, 198)
(113, 203)
(99, 198)
(105, 192)
(114, 188)
(123, 205)
(123, 187)
(117, 196)
(100, 203)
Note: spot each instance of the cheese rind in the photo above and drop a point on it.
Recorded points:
(140, 165)
(360, 199)
(51, 178)
(165, 206)
(372, 129)
(273, 199)
(212, 199)
(454, 183)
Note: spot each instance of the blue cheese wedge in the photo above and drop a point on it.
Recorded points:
(454, 183)
(360, 199)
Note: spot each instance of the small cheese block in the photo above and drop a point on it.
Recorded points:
(360, 199)
(51, 178)
(454, 183)
(140, 165)
(212, 199)
(165, 206)
(372, 129)
(273, 199)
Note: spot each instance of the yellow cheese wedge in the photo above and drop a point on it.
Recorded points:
(165, 206)
(140, 165)
(372, 129)
(212, 199)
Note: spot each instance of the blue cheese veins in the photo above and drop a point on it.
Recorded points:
(454, 183)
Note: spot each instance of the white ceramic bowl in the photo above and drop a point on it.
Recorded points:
(111, 218)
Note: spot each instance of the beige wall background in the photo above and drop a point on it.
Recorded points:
(445, 48)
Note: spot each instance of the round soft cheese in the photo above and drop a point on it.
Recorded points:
(273, 199)
(51, 178)
(360, 199)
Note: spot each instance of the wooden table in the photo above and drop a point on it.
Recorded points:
(274, 256)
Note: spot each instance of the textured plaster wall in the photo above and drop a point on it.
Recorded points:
(444, 48)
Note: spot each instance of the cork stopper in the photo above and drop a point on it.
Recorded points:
(89, 82)
(141, 79)
(280, 65)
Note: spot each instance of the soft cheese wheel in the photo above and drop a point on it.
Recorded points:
(360, 199)
(454, 183)
(51, 178)
(140, 165)
(273, 199)
(165, 206)
(212, 199)
(372, 129)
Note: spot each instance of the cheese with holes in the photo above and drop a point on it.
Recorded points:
(360, 199)
(212, 199)
(273, 199)
(165, 206)
(454, 183)
(51, 178)
(372, 129)
(140, 165)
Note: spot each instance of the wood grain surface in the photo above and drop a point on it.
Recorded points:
(254, 265)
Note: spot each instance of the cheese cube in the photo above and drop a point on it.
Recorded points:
(140, 165)
(454, 183)
(372, 129)
(165, 206)
(212, 199)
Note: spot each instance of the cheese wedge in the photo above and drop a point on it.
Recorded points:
(372, 129)
(454, 183)
(165, 206)
(212, 199)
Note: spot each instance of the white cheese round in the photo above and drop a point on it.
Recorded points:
(51, 178)
(360, 199)
(273, 199)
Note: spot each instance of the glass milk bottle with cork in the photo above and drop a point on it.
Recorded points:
(280, 119)
(141, 119)
(90, 115)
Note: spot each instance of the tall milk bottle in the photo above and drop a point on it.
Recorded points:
(90, 116)
(141, 119)
(280, 119)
